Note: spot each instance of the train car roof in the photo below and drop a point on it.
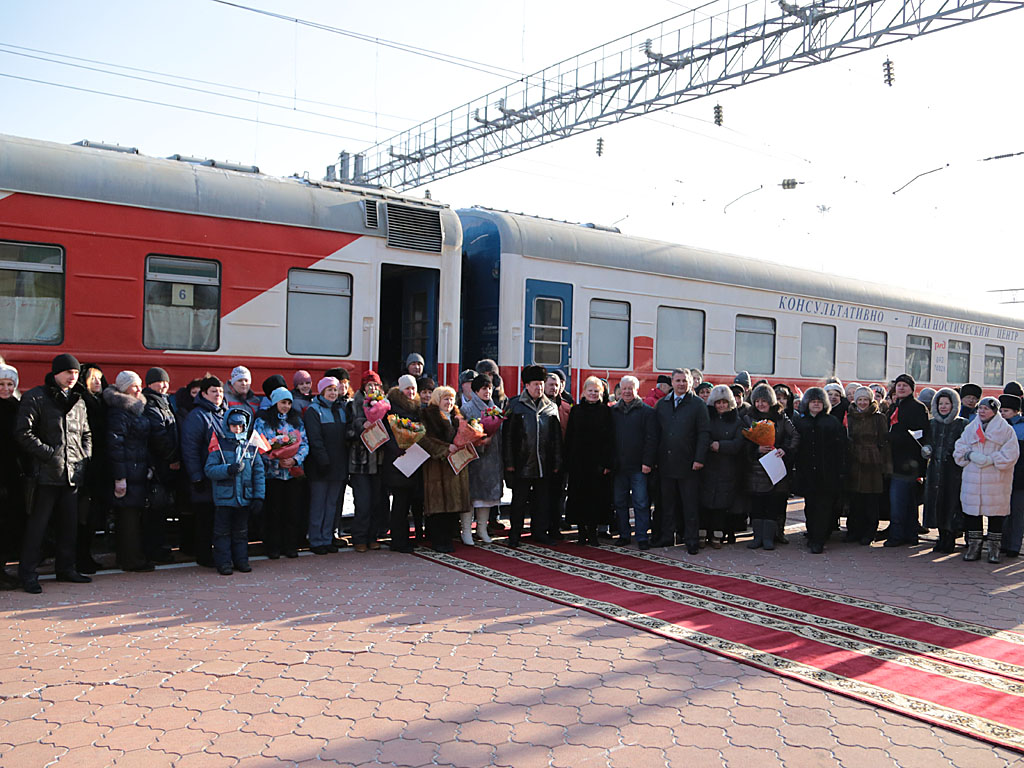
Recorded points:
(562, 241)
(186, 186)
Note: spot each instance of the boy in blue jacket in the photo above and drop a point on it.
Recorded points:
(238, 490)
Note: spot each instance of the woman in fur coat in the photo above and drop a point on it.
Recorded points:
(446, 494)
(988, 451)
(869, 462)
(589, 455)
(128, 434)
(942, 508)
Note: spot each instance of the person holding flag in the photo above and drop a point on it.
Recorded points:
(238, 479)
(987, 450)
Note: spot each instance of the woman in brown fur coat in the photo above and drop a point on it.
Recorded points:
(446, 494)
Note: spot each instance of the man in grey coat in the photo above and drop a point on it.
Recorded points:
(683, 436)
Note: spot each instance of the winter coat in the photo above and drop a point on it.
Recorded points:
(203, 422)
(723, 469)
(986, 487)
(404, 408)
(250, 401)
(531, 437)
(128, 435)
(248, 485)
(163, 436)
(270, 423)
(786, 438)
(53, 430)
(326, 427)
(820, 466)
(443, 490)
(908, 415)
(654, 396)
(682, 434)
(636, 436)
(1017, 422)
(301, 402)
(589, 458)
(360, 460)
(97, 482)
(12, 461)
(869, 456)
(486, 473)
(182, 402)
(942, 480)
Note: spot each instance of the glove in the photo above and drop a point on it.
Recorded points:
(979, 458)
(234, 469)
(255, 506)
(926, 451)
(120, 488)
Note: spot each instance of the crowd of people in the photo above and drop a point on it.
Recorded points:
(690, 464)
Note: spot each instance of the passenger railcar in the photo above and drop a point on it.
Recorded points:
(597, 302)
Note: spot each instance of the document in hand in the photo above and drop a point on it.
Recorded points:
(774, 466)
(411, 460)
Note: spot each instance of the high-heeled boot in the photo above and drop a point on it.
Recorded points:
(467, 528)
(482, 515)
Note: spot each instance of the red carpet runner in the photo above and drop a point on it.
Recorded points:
(951, 673)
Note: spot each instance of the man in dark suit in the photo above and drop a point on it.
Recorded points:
(683, 437)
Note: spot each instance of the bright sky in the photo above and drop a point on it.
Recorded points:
(836, 127)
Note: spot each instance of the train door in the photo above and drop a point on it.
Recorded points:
(548, 325)
(408, 318)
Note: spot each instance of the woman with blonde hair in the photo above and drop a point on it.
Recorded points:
(445, 494)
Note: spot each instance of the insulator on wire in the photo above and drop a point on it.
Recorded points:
(718, 114)
(889, 73)
(600, 147)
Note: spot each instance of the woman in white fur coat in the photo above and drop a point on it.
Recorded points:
(987, 450)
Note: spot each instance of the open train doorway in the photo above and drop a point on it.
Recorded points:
(408, 318)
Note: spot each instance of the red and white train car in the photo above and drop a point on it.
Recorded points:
(132, 261)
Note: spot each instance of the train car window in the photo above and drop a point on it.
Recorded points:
(871, 349)
(679, 339)
(958, 370)
(755, 344)
(547, 330)
(182, 308)
(994, 365)
(817, 350)
(31, 293)
(319, 313)
(609, 334)
(919, 357)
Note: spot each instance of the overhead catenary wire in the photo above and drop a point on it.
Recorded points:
(178, 106)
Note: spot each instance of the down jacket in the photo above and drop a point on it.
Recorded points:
(942, 480)
(52, 429)
(988, 466)
(328, 443)
(203, 422)
(247, 486)
(128, 436)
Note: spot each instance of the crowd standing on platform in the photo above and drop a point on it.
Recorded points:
(222, 471)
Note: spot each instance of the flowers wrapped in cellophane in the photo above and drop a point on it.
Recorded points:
(491, 420)
(761, 433)
(406, 431)
(376, 406)
(470, 431)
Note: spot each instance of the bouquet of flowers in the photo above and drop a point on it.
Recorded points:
(470, 431)
(376, 406)
(406, 431)
(761, 433)
(491, 420)
(285, 445)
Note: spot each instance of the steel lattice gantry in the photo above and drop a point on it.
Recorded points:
(653, 69)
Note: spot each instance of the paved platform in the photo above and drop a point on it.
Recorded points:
(388, 659)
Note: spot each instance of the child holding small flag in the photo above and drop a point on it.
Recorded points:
(237, 475)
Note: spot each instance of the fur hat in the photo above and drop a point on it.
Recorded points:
(863, 391)
(341, 374)
(153, 375)
(486, 366)
(467, 376)
(1013, 388)
(406, 380)
(325, 382)
(722, 392)
(534, 373)
(414, 357)
(279, 394)
(238, 373)
(369, 376)
(743, 379)
(953, 397)
(926, 395)
(990, 402)
(301, 377)
(9, 372)
(907, 379)
(125, 379)
(663, 379)
(830, 387)
(819, 394)
(970, 389)
(764, 392)
(1010, 401)
(64, 362)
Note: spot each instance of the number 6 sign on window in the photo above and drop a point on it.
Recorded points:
(181, 295)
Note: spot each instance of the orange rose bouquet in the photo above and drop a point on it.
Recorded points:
(761, 433)
(470, 431)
